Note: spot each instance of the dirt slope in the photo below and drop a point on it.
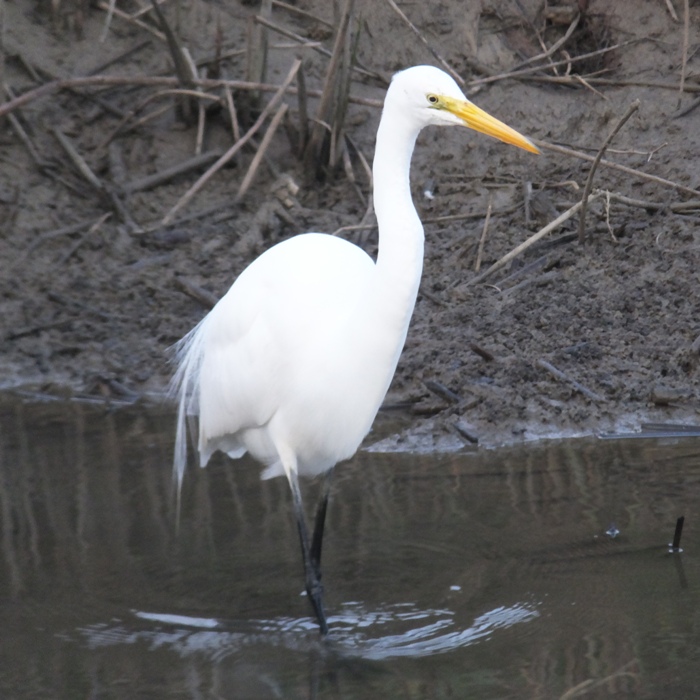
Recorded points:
(91, 309)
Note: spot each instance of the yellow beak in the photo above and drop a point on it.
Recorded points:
(475, 118)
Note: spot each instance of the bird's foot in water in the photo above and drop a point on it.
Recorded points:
(314, 590)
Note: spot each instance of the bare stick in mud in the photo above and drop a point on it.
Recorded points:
(615, 166)
(532, 240)
(563, 377)
(24, 136)
(330, 114)
(125, 16)
(609, 82)
(78, 161)
(302, 41)
(482, 352)
(103, 188)
(226, 157)
(303, 112)
(671, 10)
(292, 9)
(482, 239)
(439, 389)
(357, 67)
(530, 70)
(149, 182)
(186, 108)
(676, 207)
(121, 56)
(205, 298)
(262, 150)
(425, 42)
(467, 431)
(152, 81)
(684, 58)
(687, 109)
(589, 181)
(256, 52)
(95, 227)
(126, 119)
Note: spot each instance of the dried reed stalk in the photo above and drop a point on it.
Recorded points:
(616, 166)
(589, 180)
(262, 149)
(532, 240)
(116, 12)
(425, 42)
(256, 52)
(271, 105)
(153, 81)
(333, 104)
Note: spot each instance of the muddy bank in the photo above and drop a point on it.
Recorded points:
(569, 338)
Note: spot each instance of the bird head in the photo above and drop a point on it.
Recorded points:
(435, 98)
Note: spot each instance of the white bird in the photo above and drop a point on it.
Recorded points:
(293, 363)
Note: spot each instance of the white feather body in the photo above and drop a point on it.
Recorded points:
(294, 361)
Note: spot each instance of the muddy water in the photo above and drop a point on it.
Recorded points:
(487, 575)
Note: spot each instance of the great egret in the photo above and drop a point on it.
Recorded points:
(294, 361)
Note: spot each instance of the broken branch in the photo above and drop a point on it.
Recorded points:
(589, 181)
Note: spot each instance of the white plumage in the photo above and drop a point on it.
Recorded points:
(294, 361)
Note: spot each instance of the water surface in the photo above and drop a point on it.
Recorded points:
(482, 575)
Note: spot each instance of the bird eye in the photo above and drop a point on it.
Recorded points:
(433, 99)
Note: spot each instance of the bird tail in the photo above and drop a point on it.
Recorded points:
(187, 355)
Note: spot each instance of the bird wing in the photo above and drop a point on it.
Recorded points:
(246, 355)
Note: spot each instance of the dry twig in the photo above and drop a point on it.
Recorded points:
(24, 136)
(676, 207)
(616, 166)
(439, 389)
(103, 65)
(302, 13)
(687, 109)
(609, 82)
(482, 239)
(671, 10)
(99, 186)
(151, 81)
(95, 227)
(233, 113)
(425, 42)
(467, 431)
(521, 72)
(589, 181)
(547, 54)
(684, 59)
(156, 179)
(205, 298)
(532, 240)
(183, 66)
(79, 162)
(566, 378)
(331, 109)
(303, 112)
(256, 50)
(361, 70)
(262, 149)
(108, 21)
(110, 7)
(269, 107)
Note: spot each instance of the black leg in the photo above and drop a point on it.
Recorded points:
(312, 572)
(320, 521)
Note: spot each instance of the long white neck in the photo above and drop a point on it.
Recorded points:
(400, 257)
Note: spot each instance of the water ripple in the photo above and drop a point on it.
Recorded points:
(392, 631)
